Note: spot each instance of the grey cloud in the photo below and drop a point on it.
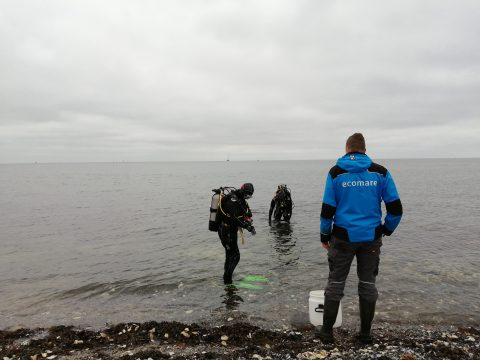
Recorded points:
(270, 79)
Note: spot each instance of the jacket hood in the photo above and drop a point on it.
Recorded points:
(354, 162)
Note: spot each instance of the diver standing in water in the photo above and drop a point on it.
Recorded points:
(233, 214)
(281, 205)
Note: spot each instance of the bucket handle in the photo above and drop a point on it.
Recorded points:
(319, 308)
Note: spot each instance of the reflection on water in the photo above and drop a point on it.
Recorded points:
(231, 299)
(284, 242)
(282, 234)
(282, 229)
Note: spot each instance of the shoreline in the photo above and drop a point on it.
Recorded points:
(235, 339)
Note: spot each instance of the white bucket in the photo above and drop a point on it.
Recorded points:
(315, 309)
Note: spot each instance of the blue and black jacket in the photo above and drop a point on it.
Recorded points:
(351, 208)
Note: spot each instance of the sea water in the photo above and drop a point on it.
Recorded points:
(86, 244)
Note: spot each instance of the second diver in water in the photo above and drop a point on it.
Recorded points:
(281, 205)
(234, 213)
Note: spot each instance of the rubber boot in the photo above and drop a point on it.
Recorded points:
(330, 310)
(367, 312)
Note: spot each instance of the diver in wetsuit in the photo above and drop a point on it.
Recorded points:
(234, 213)
(281, 205)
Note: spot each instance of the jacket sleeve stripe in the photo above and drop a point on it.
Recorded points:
(328, 211)
(393, 207)
(376, 168)
(336, 171)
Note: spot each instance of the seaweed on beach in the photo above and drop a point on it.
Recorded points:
(235, 340)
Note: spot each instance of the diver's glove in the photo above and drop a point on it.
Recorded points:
(325, 238)
(251, 229)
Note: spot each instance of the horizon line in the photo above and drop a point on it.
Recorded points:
(229, 160)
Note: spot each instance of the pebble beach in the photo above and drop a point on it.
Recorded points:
(235, 340)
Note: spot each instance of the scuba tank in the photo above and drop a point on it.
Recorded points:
(218, 194)
(212, 223)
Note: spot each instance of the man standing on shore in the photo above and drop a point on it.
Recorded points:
(351, 225)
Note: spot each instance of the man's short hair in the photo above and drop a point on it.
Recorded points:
(356, 143)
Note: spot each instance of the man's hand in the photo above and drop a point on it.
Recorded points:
(251, 229)
(325, 239)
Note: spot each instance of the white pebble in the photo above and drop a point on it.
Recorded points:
(224, 337)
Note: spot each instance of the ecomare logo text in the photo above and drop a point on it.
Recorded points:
(359, 183)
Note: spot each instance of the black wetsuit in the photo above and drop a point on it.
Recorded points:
(234, 213)
(281, 205)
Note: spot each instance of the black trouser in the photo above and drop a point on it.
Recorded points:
(340, 257)
(228, 236)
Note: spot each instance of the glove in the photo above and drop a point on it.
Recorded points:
(385, 231)
(251, 229)
(325, 238)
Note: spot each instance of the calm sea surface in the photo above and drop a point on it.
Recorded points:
(86, 244)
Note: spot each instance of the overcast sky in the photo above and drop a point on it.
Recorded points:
(156, 80)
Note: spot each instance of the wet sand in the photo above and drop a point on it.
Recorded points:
(235, 340)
